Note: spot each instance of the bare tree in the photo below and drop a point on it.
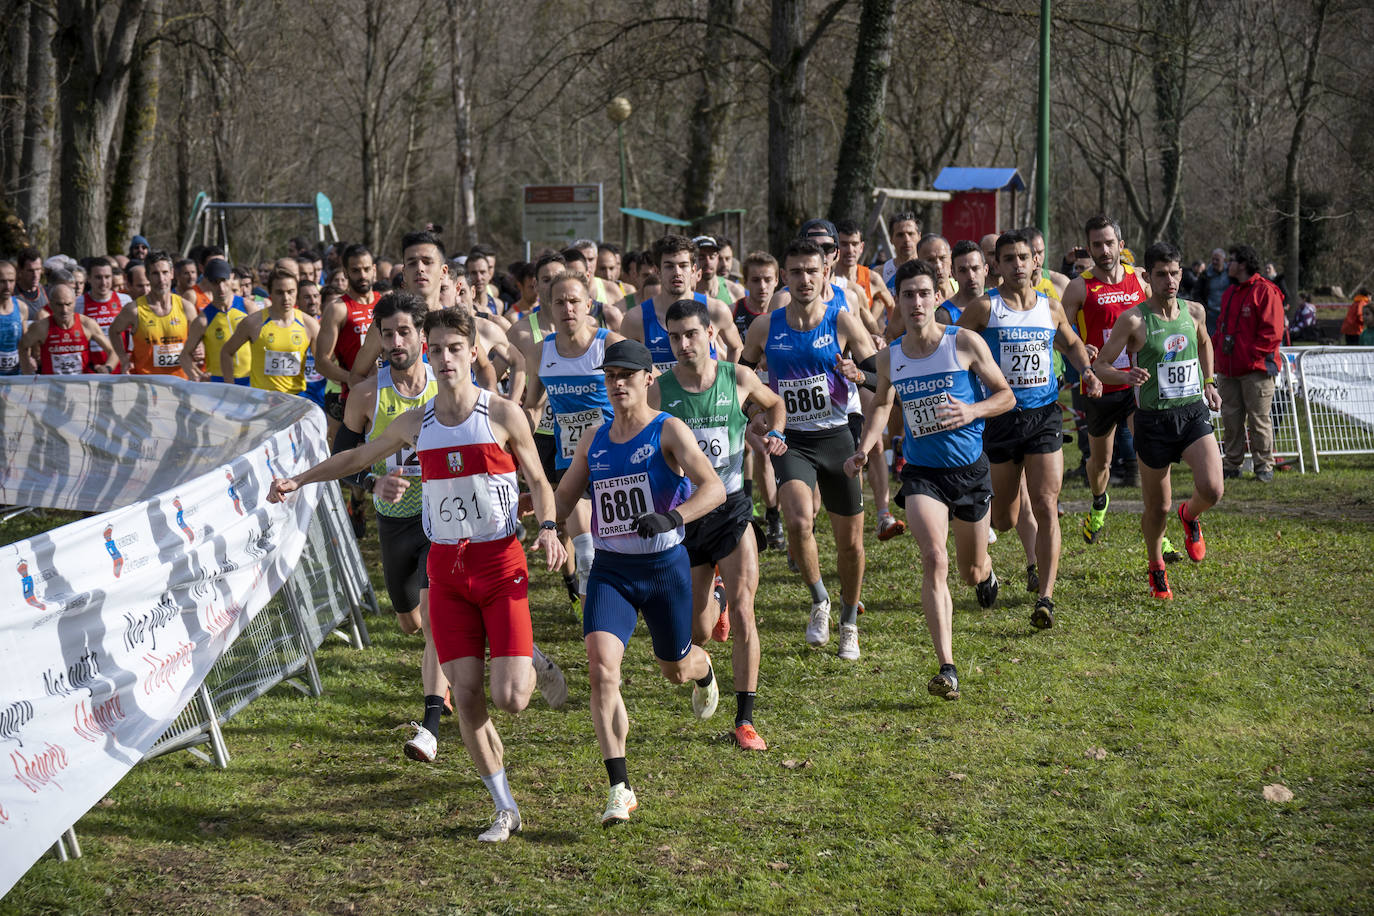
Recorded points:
(465, 177)
(14, 57)
(710, 119)
(94, 47)
(40, 120)
(1300, 78)
(134, 166)
(857, 162)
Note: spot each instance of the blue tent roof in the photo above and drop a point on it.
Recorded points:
(653, 217)
(959, 178)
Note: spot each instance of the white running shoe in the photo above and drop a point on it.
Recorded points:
(619, 806)
(992, 535)
(424, 747)
(818, 630)
(705, 699)
(548, 677)
(849, 642)
(507, 822)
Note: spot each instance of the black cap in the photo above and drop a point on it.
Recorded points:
(628, 354)
(218, 269)
(706, 241)
(817, 227)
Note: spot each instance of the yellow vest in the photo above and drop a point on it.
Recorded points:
(279, 356)
(217, 333)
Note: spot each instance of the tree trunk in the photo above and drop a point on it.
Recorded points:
(16, 57)
(709, 124)
(1292, 184)
(1169, 72)
(857, 163)
(190, 97)
(35, 168)
(135, 163)
(786, 127)
(465, 187)
(93, 70)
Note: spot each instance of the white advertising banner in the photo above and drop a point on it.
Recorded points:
(109, 625)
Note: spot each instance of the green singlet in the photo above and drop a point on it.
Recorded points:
(1170, 355)
(390, 405)
(715, 418)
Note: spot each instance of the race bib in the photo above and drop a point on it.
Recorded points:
(807, 399)
(714, 442)
(1123, 359)
(281, 363)
(572, 426)
(9, 360)
(545, 421)
(66, 363)
(1178, 380)
(312, 375)
(458, 507)
(618, 501)
(1026, 363)
(167, 355)
(660, 368)
(921, 414)
(406, 460)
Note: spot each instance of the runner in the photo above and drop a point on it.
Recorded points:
(101, 303)
(1171, 371)
(1021, 326)
(342, 330)
(1092, 302)
(931, 370)
(469, 445)
(564, 366)
(1050, 282)
(216, 324)
(60, 342)
(13, 321)
(159, 322)
(710, 280)
(641, 467)
(804, 344)
(709, 396)
(760, 281)
(675, 257)
(904, 232)
(848, 265)
(277, 336)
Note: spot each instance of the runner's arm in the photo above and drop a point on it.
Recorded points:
(1125, 336)
(1067, 341)
(752, 354)
(246, 330)
(1206, 356)
(123, 321)
(974, 352)
(325, 363)
(193, 336)
(632, 325)
(773, 416)
(31, 345)
(400, 432)
(573, 486)
(875, 420)
(975, 317)
(93, 333)
(730, 344)
(520, 443)
(364, 364)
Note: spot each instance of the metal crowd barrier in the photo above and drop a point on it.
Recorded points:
(1283, 412)
(327, 592)
(1337, 386)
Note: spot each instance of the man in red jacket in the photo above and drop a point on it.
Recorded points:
(1246, 343)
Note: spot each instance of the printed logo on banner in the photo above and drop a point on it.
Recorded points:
(41, 770)
(113, 550)
(233, 492)
(162, 668)
(26, 583)
(295, 447)
(272, 469)
(13, 718)
(93, 723)
(144, 627)
(79, 675)
(181, 520)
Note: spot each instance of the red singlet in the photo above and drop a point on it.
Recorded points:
(66, 351)
(357, 320)
(104, 314)
(1105, 302)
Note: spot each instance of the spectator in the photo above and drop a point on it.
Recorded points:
(1303, 325)
(1246, 347)
(1187, 287)
(1356, 323)
(1367, 335)
(1211, 283)
(138, 248)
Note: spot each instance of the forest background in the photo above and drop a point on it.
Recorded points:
(1204, 122)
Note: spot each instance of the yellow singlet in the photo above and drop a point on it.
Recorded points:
(279, 356)
(158, 339)
(219, 329)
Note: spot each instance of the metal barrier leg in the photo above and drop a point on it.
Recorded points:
(72, 842)
(217, 745)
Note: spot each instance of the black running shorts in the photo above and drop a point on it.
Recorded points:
(715, 535)
(404, 551)
(1162, 436)
(1014, 435)
(1101, 415)
(818, 458)
(967, 490)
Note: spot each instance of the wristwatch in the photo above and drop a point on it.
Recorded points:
(548, 526)
(369, 483)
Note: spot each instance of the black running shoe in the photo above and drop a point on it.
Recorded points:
(777, 538)
(570, 583)
(987, 590)
(1032, 579)
(945, 685)
(1042, 618)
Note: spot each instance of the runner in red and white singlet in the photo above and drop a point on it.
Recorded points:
(60, 343)
(101, 303)
(470, 445)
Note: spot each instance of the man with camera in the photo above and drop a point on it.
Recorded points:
(1246, 340)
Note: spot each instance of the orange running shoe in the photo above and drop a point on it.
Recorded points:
(1192, 536)
(1159, 584)
(721, 631)
(748, 739)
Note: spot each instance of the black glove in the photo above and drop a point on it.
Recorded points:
(653, 523)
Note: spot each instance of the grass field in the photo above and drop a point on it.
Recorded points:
(1114, 763)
